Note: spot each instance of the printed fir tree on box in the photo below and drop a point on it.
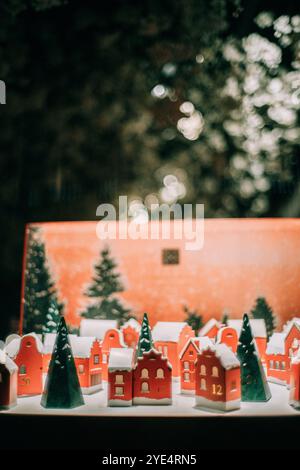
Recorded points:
(253, 380)
(39, 292)
(106, 282)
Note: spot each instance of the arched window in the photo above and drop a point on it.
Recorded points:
(203, 384)
(186, 365)
(22, 369)
(160, 374)
(277, 366)
(295, 343)
(271, 364)
(119, 379)
(145, 387)
(145, 374)
(28, 344)
(215, 372)
(202, 370)
(283, 365)
(186, 377)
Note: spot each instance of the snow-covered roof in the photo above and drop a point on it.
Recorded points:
(167, 331)
(199, 342)
(208, 326)
(227, 358)
(296, 358)
(8, 362)
(258, 327)
(13, 348)
(288, 326)
(120, 359)
(133, 323)
(49, 341)
(276, 344)
(2, 344)
(11, 337)
(98, 328)
(81, 345)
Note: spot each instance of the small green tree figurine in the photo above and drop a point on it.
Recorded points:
(62, 389)
(193, 318)
(145, 340)
(39, 287)
(52, 318)
(262, 310)
(106, 283)
(253, 380)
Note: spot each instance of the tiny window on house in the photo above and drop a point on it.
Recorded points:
(295, 343)
(186, 365)
(104, 358)
(271, 364)
(28, 344)
(145, 387)
(119, 379)
(22, 369)
(277, 365)
(186, 377)
(96, 359)
(165, 351)
(119, 391)
(233, 386)
(81, 369)
(202, 370)
(160, 374)
(215, 372)
(145, 374)
(283, 365)
(203, 384)
(170, 256)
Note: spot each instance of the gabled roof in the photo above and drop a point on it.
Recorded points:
(98, 328)
(276, 344)
(119, 333)
(227, 358)
(258, 327)
(208, 326)
(167, 331)
(133, 323)
(13, 348)
(198, 342)
(288, 326)
(120, 359)
(296, 358)
(49, 341)
(154, 352)
(8, 362)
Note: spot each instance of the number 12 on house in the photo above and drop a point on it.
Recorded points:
(217, 389)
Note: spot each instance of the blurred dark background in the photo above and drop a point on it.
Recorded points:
(186, 100)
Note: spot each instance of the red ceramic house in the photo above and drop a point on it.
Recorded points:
(152, 380)
(8, 382)
(292, 337)
(259, 332)
(120, 378)
(211, 328)
(169, 338)
(277, 361)
(87, 356)
(218, 379)
(188, 358)
(228, 336)
(131, 332)
(27, 353)
(113, 338)
(294, 399)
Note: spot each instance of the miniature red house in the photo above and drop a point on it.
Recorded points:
(169, 338)
(218, 379)
(228, 336)
(131, 332)
(292, 337)
(27, 353)
(277, 361)
(211, 328)
(113, 338)
(152, 380)
(259, 332)
(188, 358)
(87, 356)
(8, 382)
(294, 399)
(120, 367)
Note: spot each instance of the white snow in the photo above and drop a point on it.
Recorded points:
(96, 328)
(167, 331)
(208, 326)
(82, 345)
(120, 359)
(133, 323)
(7, 362)
(13, 347)
(296, 358)
(276, 344)
(182, 406)
(151, 401)
(227, 358)
(49, 342)
(203, 402)
(288, 326)
(199, 342)
(11, 338)
(258, 327)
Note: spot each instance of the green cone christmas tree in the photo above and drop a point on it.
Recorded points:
(52, 318)
(262, 310)
(106, 283)
(62, 389)
(39, 286)
(253, 380)
(145, 339)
